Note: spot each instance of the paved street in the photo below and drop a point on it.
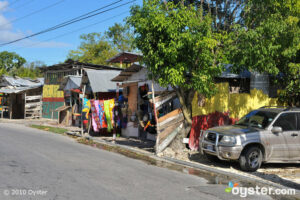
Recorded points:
(57, 167)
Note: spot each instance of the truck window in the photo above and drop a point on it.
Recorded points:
(287, 121)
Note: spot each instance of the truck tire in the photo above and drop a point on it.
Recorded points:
(251, 159)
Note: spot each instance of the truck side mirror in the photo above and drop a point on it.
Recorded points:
(276, 129)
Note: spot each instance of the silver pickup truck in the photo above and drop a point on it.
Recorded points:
(264, 135)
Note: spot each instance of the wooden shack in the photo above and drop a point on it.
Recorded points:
(20, 97)
(53, 98)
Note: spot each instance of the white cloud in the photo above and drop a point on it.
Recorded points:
(3, 5)
(7, 34)
(4, 23)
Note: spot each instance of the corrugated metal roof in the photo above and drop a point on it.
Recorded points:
(124, 75)
(70, 82)
(125, 57)
(73, 83)
(100, 80)
(15, 84)
(12, 90)
(69, 64)
(21, 82)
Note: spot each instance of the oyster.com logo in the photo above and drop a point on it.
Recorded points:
(231, 185)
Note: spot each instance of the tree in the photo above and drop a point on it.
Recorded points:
(268, 42)
(31, 70)
(10, 62)
(179, 49)
(224, 13)
(96, 48)
(121, 37)
(93, 49)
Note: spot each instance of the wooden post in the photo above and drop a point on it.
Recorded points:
(115, 129)
(25, 105)
(156, 119)
(10, 106)
(83, 93)
(41, 107)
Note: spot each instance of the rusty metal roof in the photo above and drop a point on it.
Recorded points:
(126, 73)
(125, 57)
(69, 64)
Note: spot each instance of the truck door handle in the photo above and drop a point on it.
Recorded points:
(294, 134)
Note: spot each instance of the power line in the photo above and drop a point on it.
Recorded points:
(73, 31)
(74, 20)
(34, 12)
(22, 5)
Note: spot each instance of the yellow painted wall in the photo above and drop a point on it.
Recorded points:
(51, 91)
(238, 104)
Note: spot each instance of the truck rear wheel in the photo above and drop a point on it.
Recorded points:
(251, 159)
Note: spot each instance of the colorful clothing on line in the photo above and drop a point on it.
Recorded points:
(108, 110)
(86, 108)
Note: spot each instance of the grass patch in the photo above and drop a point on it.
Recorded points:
(50, 128)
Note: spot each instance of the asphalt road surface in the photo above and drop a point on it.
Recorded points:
(41, 165)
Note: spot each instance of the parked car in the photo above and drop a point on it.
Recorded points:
(269, 134)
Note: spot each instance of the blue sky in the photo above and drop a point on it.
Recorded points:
(20, 18)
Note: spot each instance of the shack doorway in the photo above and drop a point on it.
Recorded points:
(17, 106)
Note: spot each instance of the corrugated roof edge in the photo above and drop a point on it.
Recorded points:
(69, 64)
(124, 52)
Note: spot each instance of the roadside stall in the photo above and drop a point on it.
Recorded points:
(137, 105)
(100, 110)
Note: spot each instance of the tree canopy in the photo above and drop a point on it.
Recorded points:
(10, 62)
(96, 48)
(269, 42)
(13, 64)
(180, 48)
(93, 49)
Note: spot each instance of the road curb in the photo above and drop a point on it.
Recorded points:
(241, 177)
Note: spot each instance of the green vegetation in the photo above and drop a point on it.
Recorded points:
(96, 48)
(50, 128)
(180, 48)
(12, 64)
(185, 43)
(269, 42)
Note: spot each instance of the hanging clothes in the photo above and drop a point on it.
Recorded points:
(102, 114)
(86, 108)
(95, 117)
(108, 110)
(98, 115)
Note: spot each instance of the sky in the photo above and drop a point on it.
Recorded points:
(21, 18)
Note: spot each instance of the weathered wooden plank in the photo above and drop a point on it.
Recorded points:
(170, 121)
(169, 115)
(35, 108)
(160, 100)
(32, 117)
(36, 97)
(163, 134)
(32, 111)
(35, 104)
(170, 137)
